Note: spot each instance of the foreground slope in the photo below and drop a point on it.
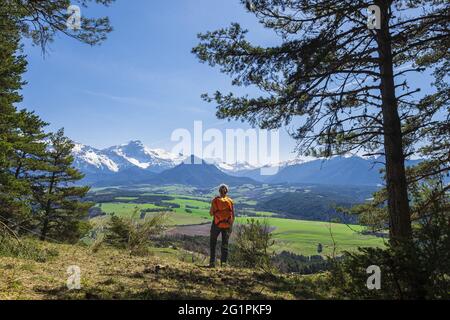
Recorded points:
(114, 274)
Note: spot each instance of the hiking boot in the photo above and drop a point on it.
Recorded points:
(211, 265)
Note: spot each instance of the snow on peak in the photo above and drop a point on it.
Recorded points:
(236, 166)
(163, 154)
(136, 154)
(124, 156)
(86, 156)
(77, 148)
(136, 162)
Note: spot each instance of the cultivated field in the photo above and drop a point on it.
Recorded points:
(190, 216)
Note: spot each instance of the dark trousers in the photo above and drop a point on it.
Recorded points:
(215, 231)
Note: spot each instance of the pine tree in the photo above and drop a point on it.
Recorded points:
(29, 145)
(345, 81)
(13, 192)
(59, 208)
(23, 155)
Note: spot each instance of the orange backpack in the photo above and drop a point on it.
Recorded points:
(223, 212)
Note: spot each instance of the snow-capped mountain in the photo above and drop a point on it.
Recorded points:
(244, 169)
(89, 159)
(103, 164)
(135, 159)
(240, 168)
(136, 154)
(235, 167)
(135, 163)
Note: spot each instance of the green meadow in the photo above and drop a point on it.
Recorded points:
(303, 237)
(298, 236)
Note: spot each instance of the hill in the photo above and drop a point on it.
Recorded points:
(127, 176)
(197, 173)
(114, 274)
(315, 202)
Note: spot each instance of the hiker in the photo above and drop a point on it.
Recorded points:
(222, 210)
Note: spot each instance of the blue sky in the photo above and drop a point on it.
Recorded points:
(143, 82)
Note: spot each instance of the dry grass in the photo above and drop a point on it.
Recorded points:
(114, 274)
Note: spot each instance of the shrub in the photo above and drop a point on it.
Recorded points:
(252, 243)
(134, 235)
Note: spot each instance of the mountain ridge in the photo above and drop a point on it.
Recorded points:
(133, 163)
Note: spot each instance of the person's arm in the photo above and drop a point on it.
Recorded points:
(232, 213)
(212, 210)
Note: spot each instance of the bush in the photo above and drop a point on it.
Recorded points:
(251, 246)
(71, 232)
(134, 235)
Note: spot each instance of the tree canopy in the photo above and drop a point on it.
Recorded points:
(41, 20)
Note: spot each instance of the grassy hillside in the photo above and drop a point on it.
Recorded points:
(114, 274)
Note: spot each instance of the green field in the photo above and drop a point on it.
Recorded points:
(298, 236)
(179, 217)
(265, 214)
(125, 209)
(302, 237)
(198, 208)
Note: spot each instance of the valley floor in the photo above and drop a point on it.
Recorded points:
(114, 274)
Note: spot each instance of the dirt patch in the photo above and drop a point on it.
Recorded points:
(191, 230)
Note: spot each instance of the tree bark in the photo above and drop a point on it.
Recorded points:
(44, 230)
(397, 188)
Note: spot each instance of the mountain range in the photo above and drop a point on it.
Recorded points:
(338, 170)
(134, 163)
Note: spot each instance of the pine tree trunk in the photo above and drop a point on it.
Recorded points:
(44, 230)
(398, 203)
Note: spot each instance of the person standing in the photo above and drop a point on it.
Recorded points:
(222, 209)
